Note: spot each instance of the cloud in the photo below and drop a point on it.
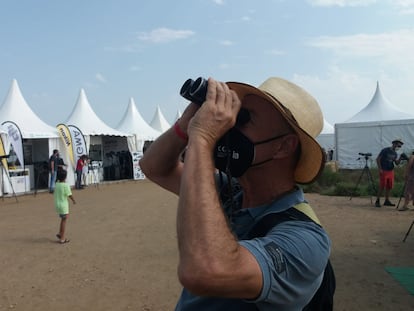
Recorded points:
(226, 42)
(164, 35)
(390, 47)
(342, 92)
(275, 52)
(100, 78)
(219, 2)
(405, 7)
(134, 68)
(341, 3)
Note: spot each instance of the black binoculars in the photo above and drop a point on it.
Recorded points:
(196, 91)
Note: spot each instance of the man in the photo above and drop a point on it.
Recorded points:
(53, 167)
(55, 163)
(220, 268)
(386, 160)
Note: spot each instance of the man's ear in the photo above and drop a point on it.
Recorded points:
(286, 147)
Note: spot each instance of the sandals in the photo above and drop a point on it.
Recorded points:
(64, 241)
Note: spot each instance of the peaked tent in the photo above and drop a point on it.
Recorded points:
(178, 115)
(159, 122)
(372, 129)
(327, 136)
(105, 144)
(133, 123)
(39, 140)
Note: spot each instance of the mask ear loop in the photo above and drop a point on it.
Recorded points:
(229, 178)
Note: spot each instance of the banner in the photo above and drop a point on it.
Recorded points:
(136, 156)
(78, 142)
(15, 138)
(67, 140)
(3, 153)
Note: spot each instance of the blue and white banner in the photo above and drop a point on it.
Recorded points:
(16, 140)
(78, 142)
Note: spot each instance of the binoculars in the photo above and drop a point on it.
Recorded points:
(196, 91)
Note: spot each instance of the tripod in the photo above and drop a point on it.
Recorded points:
(408, 232)
(401, 195)
(2, 170)
(367, 172)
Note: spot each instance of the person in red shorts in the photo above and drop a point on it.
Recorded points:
(386, 160)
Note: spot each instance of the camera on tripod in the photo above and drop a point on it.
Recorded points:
(404, 157)
(366, 155)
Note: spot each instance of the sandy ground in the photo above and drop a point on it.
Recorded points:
(123, 251)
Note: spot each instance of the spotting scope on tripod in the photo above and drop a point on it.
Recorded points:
(366, 172)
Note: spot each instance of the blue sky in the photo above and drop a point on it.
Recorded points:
(117, 49)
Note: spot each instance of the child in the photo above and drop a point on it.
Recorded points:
(61, 194)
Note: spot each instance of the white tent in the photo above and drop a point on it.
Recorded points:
(16, 109)
(104, 143)
(39, 139)
(159, 122)
(177, 115)
(327, 136)
(133, 123)
(370, 130)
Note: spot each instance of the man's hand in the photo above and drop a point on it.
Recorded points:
(217, 114)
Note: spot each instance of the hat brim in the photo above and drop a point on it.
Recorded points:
(312, 159)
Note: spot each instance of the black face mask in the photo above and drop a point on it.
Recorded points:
(234, 152)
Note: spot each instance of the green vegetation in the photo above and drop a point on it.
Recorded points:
(344, 182)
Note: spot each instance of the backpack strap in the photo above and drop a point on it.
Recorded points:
(306, 209)
(301, 211)
(323, 298)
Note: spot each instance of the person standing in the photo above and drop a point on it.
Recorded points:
(386, 161)
(79, 171)
(53, 168)
(409, 184)
(61, 195)
(232, 176)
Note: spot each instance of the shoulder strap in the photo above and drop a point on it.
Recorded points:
(323, 298)
(301, 211)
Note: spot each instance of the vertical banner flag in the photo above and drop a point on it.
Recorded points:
(15, 138)
(78, 142)
(67, 140)
(136, 156)
(3, 153)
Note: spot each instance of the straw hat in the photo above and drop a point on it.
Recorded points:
(302, 112)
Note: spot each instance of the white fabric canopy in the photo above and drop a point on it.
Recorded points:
(159, 122)
(16, 109)
(85, 118)
(32, 128)
(133, 123)
(372, 129)
(327, 136)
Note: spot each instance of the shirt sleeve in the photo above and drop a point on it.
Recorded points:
(68, 190)
(292, 258)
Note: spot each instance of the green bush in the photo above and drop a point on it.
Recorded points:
(346, 182)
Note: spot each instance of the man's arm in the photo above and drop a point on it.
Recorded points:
(379, 161)
(211, 261)
(161, 161)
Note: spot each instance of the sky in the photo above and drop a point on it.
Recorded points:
(117, 49)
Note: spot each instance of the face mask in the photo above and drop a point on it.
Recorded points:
(235, 152)
(397, 148)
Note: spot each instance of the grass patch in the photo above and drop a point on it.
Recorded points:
(346, 182)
